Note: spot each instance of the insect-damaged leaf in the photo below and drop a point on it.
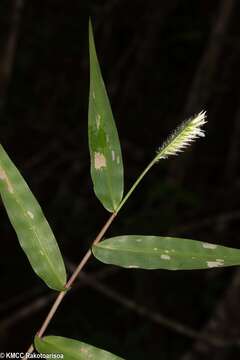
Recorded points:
(104, 146)
(71, 349)
(156, 252)
(33, 231)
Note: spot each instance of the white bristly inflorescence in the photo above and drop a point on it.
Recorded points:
(183, 136)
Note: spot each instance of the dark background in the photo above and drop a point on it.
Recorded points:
(162, 61)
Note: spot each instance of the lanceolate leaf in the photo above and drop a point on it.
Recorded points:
(105, 151)
(156, 252)
(33, 231)
(71, 349)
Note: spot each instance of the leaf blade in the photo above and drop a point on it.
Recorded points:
(156, 252)
(33, 231)
(104, 145)
(71, 349)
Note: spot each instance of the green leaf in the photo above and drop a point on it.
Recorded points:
(156, 252)
(32, 229)
(71, 349)
(104, 146)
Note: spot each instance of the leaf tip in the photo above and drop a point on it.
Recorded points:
(90, 25)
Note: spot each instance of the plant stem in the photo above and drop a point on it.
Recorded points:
(70, 282)
(150, 165)
(87, 256)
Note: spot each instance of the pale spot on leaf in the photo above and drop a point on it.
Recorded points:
(122, 239)
(30, 214)
(113, 155)
(138, 240)
(212, 264)
(98, 118)
(99, 161)
(209, 246)
(133, 266)
(155, 249)
(118, 160)
(86, 353)
(93, 95)
(165, 257)
(3, 177)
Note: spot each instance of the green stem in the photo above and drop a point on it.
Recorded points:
(145, 171)
(85, 259)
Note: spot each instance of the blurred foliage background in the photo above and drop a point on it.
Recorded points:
(162, 61)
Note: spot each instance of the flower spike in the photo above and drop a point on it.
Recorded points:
(183, 136)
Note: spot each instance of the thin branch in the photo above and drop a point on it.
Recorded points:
(155, 317)
(202, 84)
(223, 218)
(42, 301)
(7, 59)
(17, 299)
(233, 153)
(92, 280)
(221, 323)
